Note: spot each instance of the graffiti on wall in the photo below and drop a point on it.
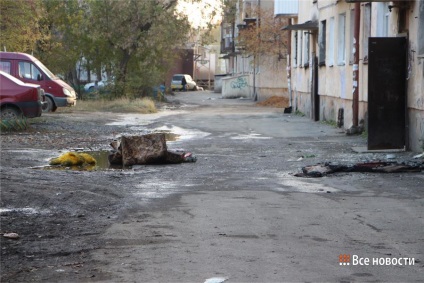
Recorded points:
(239, 83)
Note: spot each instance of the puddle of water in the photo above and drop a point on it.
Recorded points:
(175, 133)
(24, 210)
(250, 136)
(172, 134)
(155, 189)
(216, 280)
(142, 119)
(169, 136)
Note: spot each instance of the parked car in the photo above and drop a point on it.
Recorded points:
(19, 99)
(176, 83)
(92, 86)
(29, 69)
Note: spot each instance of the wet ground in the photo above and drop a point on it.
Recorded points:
(237, 213)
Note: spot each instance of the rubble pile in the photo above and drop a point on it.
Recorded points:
(323, 169)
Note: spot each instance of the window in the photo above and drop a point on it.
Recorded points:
(330, 58)
(28, 71)
(366, 33)
(382, 20)
(322, 42)
(306, 49)
(299, 51)
(352, 36)
(5, 66)
(421, 30)
(295, 50)
(341, 48)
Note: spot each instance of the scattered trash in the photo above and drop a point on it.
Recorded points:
(309, 156)
(320, 170)
(73, 159)
(189, 157)
(418, 156)
(390, 156)
(13, 236)
(288, 110)
(216, 280)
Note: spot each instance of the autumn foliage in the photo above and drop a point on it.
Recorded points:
(264, 35)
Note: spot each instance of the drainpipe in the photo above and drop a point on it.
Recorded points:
(355, 103)
(289, 34)
(258, 23)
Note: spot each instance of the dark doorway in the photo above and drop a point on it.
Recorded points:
(387, 93)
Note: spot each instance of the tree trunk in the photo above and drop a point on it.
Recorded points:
(122, 75)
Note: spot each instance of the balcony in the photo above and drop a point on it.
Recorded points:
(227, 45)
(286, 8)
(250, 9)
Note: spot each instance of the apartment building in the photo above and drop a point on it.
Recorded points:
(360, 63)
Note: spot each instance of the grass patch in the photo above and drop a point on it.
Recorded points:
(121, 105)
(330, 123)
(298, 113)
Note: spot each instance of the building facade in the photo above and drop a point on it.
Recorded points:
(264, 75)
(360, 63)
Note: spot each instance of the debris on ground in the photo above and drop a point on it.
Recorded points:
(275, 101)
(146, 149)
(320, 170)
(69, 159)
(419, 156)
(13, 236)
(216, 280)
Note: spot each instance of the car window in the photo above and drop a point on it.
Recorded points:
(28, 71)
(5, 66)
(177, 78)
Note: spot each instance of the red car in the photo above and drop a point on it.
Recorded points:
(19, 99)
(29, 69)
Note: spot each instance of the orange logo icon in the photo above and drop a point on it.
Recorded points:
(344, 259)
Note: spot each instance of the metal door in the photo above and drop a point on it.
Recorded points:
(387, 93)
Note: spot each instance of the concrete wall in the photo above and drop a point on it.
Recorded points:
(271, 79)
(236, 86)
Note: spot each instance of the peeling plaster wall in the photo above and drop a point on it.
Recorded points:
(415, 98)
(271, 79)
(335, 85)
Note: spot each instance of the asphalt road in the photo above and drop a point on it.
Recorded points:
(239, 213)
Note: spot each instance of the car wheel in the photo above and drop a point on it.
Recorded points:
(91, 89)
(9, 113)
(49, 106)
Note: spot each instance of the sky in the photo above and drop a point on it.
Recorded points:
(200, 12)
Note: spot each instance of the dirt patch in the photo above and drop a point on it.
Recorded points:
(275, 101)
